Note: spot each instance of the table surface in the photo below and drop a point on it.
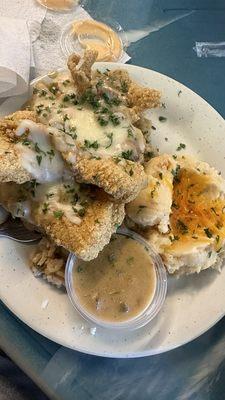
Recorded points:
(197, 370)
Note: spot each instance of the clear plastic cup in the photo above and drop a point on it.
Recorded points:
(147, 314)
(59, 5)
(71, 44)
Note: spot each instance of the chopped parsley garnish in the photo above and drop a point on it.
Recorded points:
(51, 154)
(58, 214)
(153, 192)
(48, 195)
(124, 86)
(91, 145)
(26, 142)
(71, 98)
(39, 108)
(182, 227)
(179, 93)
(42, 92)
(39, 159)
(163, 105)
(99, 83)
(148, 155)
(66, 98)
(130, 133)
(110, 137)
(161, 175)
(65, 117)
(104, 110)
(37, 149)
(209, 254)
(115, 101)
(153, 127)
(131, 172)
(114, 119)
(72, 132)
(162, 119)
(181, 146)
(81, 212)
(66, 82)
(90, 98)
(128, 155)
(102, 121)
(208, 233)
(175, 173)
(117, 160)
(33, 184)
(53, 87)
(45, 208)
(106, 97)
(174, 238)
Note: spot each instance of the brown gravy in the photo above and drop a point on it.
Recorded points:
(119, 284)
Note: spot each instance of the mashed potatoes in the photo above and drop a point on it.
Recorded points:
(190, 233)
(153, 205)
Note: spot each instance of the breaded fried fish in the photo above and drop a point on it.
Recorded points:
(77, 217)
(93, 118)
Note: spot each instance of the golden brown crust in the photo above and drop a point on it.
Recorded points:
(11, 168)
(82, 74)
(123, 180)
(101, 219)
(139, 98)
(48, 261)
(9, 124)
(89, 238)
(105, 173)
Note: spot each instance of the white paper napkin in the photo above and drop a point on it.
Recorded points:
(14, 56)
(20, 24)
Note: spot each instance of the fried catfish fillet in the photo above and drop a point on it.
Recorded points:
(10, 160)
(94, 119)
(27, 151)
(76, 217)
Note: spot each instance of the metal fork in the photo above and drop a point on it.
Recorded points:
(14, 229)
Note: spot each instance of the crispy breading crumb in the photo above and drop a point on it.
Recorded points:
(48, 261)
(11, 167)
(80, 69)
(140, 98)
(123, 180)
(86, 239)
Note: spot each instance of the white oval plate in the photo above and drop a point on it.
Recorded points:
(193, 303)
